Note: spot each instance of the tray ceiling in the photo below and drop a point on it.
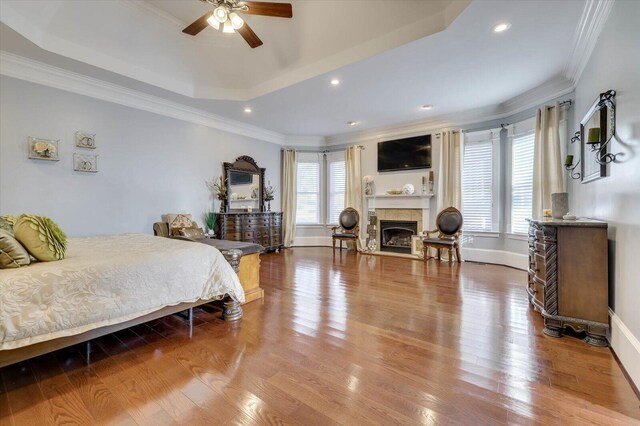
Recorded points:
(142, 39)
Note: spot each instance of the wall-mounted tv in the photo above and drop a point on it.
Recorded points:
(405, 154)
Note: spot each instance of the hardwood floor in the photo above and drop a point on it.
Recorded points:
(351, 340)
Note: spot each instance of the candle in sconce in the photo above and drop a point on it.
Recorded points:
(431, 176)
(569, 161)
(593, 136)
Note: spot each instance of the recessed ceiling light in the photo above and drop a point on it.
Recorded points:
(247, 110)
(335, 82)
(426, 107)
(352, 123)
(504, 26)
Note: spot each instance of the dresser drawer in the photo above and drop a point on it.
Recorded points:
(233, 236)
(538, 292)
(541, 267)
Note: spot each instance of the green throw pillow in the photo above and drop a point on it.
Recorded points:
(7, 222)
(41, 237)
(12, 254)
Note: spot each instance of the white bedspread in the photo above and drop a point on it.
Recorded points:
(108, 280)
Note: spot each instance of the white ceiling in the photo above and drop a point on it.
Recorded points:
(386, 70)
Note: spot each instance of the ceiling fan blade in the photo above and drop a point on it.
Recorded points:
(198, 25)
(279, 10)
(249, 36)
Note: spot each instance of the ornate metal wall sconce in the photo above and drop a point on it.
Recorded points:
(597, 129)
(568, 163)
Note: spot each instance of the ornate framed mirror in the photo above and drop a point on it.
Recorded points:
(245, 185)
(597, 128)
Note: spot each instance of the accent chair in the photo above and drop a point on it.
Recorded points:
(446, 236)
(348, 230)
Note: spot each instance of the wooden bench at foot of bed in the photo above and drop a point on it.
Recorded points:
(249, 274)
(249, 268)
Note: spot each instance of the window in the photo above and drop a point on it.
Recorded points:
(308, 192)
(336, 172)
(477, 182)
(521, 182)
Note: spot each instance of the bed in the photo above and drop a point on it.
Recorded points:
(106, 284)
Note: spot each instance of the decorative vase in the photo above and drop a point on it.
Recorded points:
(559, 204)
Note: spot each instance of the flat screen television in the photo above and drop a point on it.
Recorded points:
(405, 154)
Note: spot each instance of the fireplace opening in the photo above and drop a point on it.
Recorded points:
(395, 235)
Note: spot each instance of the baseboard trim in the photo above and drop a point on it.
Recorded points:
(497, 257)
(626, 347)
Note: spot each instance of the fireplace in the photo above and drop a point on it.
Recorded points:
(395, 235)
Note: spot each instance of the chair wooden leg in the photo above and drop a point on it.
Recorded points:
(425, 250)
(450, 256)
(458, 257)
(438, 251)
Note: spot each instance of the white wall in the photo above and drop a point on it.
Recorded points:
(148, 164)
(615, 64)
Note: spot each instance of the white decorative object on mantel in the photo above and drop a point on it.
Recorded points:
(408, 189)
(86, 140)
(43, 149)
(368, 185)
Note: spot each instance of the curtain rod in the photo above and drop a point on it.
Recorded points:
(320, 152)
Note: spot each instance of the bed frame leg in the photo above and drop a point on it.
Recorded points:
(232, 310)
(88, 348)
(190, 322)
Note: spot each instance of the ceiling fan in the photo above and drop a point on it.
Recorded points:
(225, 16)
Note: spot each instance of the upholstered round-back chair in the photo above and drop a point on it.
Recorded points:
(449, 221)
(449, 227)
(348, 230)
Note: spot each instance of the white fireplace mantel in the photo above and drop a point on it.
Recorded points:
(402, 201)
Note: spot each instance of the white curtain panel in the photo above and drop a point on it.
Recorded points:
(547, 161)
(289, 191)
(450, 170)
(353, 183)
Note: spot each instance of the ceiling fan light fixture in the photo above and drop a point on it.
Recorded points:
(236, 21)
(228, 28)
(212, 21)
(221, 14)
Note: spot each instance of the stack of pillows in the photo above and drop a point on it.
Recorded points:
(183, 225)
(28, 238)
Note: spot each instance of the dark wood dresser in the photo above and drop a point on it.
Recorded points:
(264, 228)
(568, 276)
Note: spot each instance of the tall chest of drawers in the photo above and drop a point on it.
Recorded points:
(568, 276)
(264, 228)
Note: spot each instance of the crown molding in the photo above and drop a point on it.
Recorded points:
(594, 16)
(533, 98)
(37, 72)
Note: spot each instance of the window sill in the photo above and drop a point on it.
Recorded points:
(481, 234)
(521, 237)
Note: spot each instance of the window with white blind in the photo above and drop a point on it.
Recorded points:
(336, 178)
(521, 181)
(308, 188)
(477, 183)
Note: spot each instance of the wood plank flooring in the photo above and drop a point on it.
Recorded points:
(351, 340)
